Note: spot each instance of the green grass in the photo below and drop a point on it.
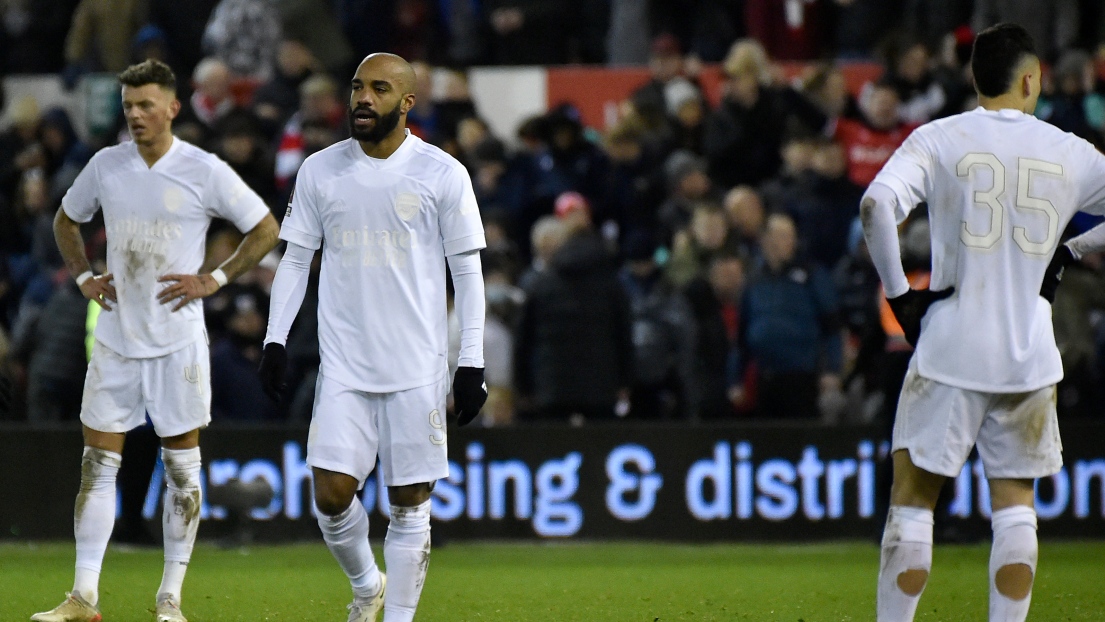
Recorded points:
(547, 582)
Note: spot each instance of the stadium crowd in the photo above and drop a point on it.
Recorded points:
(689, 262)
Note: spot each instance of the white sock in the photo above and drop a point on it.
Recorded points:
(1014, 543)
(906, 546)
(181, 516)
(347, 537)
(94, 518)
(407, 553)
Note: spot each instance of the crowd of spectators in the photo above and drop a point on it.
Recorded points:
(690, 262)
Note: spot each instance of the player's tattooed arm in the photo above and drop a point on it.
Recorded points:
(67, 234)
(188, 287)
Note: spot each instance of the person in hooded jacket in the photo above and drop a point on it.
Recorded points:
(573, 347)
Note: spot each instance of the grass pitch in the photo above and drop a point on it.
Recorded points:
(558, 582)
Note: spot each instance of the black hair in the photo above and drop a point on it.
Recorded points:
(997, 53)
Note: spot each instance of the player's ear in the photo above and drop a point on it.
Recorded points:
(408, 103)
(174, 108)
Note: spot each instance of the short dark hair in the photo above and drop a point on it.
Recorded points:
(997, 52)
(149, 71)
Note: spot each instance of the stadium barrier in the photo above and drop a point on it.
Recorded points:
(663, 481)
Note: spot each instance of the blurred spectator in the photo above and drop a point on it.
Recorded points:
(789, 328)
(242, 146)
(665, 64)
(501, 258)
(100, 36)
(664, 382)
(824, 204)
(797, 156)
(503, 302)
(1053, 24)
(32, 35)
(714, 298)
(528, 32)
(52, 350)
(744, 134)
(576, 161)
(694, 247)
(744, 209)
(487, 165)
(320, 108)
(1072, 105)
(244, 34)
(183, 24)
(210, 101)
(687, 110)
(870, 142)
(546, 237)
(688, 186)
(236, 393)
(921, 97)
(824, 85)
(952, 70)
(64, 153)
(857, 284)
(150, 42)
(1079, 316)
(573, 346)
(276, 100)
(634, 190)
(436, 119)
(20, 150)
(316, 24)
(794, 30)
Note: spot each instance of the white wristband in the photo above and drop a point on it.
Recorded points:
(84, 276)
(219, 276)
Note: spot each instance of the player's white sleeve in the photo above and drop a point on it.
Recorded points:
(289, 286)
(1092, 241)
(227, 196)
(82, 200)
(877, 210)
(470, 306)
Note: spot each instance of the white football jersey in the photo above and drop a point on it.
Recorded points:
(385, 227)
(156, 220)
(1001, 187)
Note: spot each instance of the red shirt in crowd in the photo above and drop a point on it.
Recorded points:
(868, 149)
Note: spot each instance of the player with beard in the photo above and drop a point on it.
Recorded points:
(388, 211)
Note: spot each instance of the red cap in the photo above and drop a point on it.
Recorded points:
(570, 202)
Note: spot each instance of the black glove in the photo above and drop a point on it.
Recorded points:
(274, 360)
(469, 393)
(1054, 274)
(911, 306)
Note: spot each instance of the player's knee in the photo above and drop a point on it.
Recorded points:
(912, 581)
(332, 501)
(1014, 581)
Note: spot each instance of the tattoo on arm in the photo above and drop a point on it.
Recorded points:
(67, 234)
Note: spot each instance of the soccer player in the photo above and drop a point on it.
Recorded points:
(158, 195)
(1000, 186)
(388, 211)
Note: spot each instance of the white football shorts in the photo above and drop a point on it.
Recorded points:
(174, 389)
(1017, 434)
(405, 429)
